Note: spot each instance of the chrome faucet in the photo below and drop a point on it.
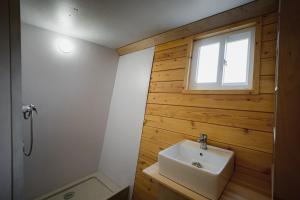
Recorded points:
(203, 141)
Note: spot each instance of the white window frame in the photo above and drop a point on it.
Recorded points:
(223, 38)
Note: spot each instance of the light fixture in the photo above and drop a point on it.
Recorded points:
(64, 46)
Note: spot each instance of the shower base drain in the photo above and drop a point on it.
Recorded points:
(68, 195)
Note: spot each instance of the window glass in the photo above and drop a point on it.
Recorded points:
(223, 62)
(236, 61)
(208, 59)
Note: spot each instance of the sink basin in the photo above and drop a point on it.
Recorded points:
(203, 171)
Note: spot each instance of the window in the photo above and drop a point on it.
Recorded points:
(223, 62)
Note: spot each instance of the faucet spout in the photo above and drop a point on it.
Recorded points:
(203, 141)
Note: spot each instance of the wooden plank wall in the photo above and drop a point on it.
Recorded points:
(242, 123)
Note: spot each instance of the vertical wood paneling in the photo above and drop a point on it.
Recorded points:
(269, 32)
(268, 49)
(240, 122)
(267, 66)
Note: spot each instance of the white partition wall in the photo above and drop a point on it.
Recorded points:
(125, 121)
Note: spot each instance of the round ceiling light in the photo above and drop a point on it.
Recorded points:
(65, 46)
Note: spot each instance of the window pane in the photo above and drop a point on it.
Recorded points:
(208, 60)
(236, 61)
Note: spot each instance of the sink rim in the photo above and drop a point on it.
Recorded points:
(213, 173)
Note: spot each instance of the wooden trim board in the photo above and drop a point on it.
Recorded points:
(238, 188)
(153, 172)
(244, 12)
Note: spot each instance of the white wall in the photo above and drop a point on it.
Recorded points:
(125, 122)
(72, 93)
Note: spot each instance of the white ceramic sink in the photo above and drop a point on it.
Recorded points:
(204, 171)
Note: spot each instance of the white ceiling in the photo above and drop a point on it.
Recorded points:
(115, 23)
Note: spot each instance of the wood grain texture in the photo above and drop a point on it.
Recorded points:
(270, 18)
(262, 102)
(176, 63)
(256, 140)
(268, 49)
(267, 66)
(170, 82)
(166, 87)
(260, 121)
(244, 12)
(175, 52)
(169, 75)
(267, 85)
(239, 122)
(269, 32)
